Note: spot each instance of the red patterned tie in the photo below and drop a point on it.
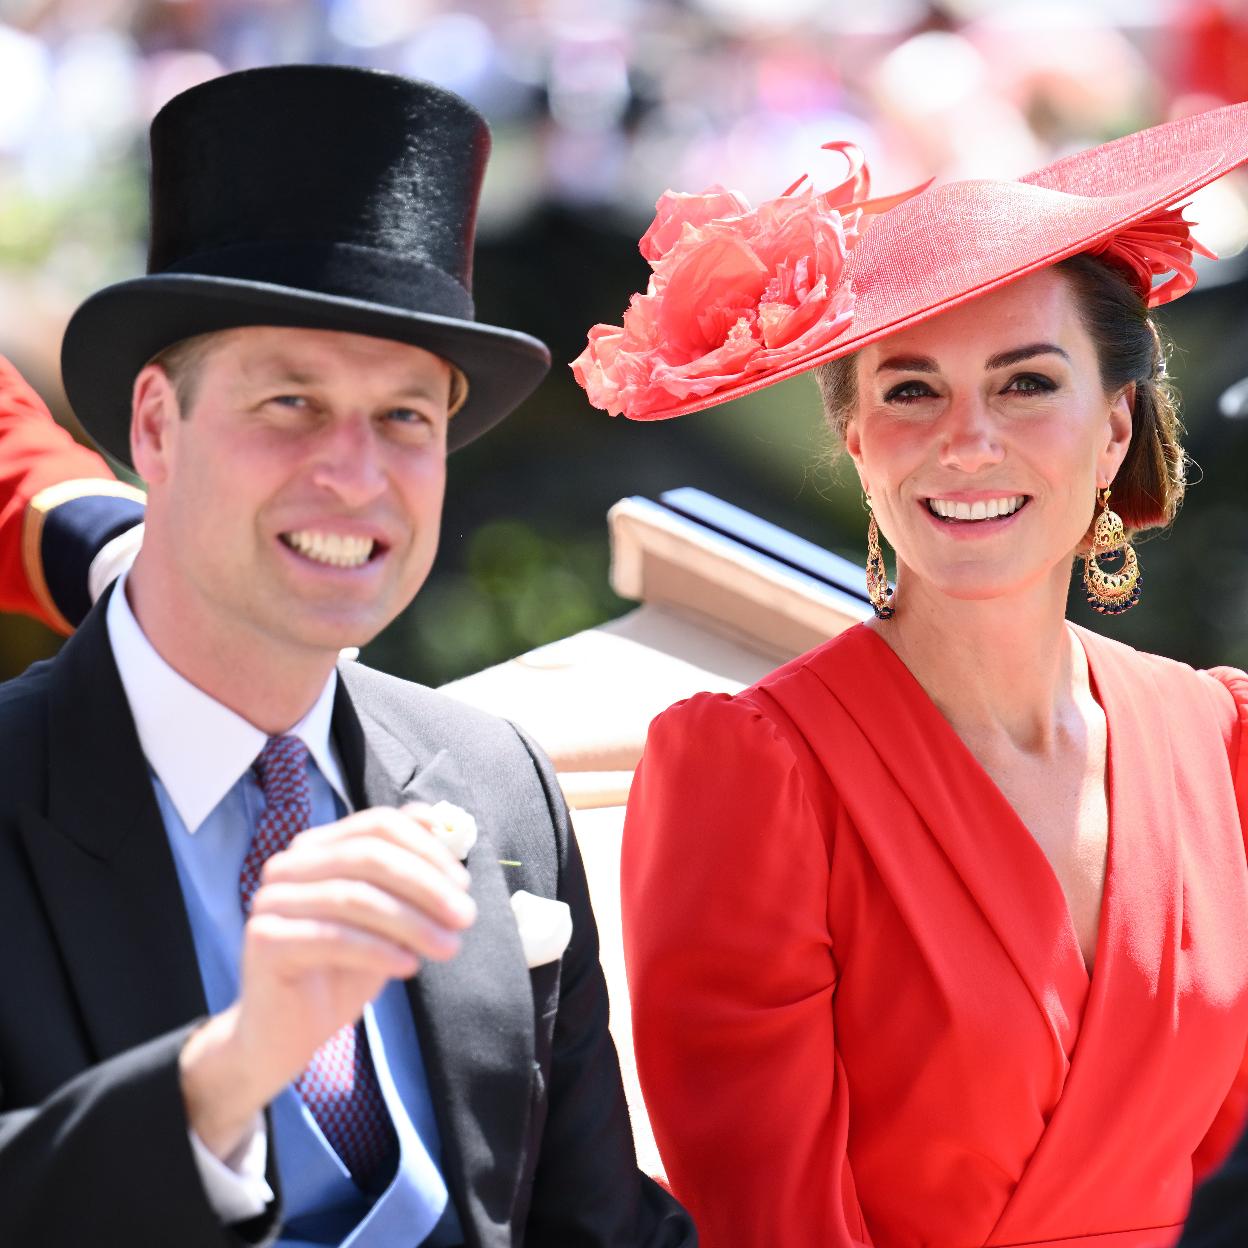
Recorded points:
(339, 1086)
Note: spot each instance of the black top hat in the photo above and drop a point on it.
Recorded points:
(311, 196)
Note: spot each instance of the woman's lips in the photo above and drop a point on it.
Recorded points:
(981, 516)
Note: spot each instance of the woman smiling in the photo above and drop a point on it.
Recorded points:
(935, 936)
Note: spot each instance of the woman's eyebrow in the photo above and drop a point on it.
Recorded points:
(1019, 354)
(1002, 360)
(925, 363)
(908, 364)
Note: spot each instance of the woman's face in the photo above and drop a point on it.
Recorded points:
(982, 436)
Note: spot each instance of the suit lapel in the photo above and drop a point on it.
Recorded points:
(474, 1014)
(102, 860)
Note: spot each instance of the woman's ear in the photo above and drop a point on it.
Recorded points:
(1119, 427)
(853, 447)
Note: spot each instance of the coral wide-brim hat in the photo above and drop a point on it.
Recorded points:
(742, 297)
(307, 196)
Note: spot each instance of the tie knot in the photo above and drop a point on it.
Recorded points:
(281, 768)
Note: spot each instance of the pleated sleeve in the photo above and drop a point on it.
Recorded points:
(35, 452)
(732, 975)
(1233, 1116)
(1237, 738)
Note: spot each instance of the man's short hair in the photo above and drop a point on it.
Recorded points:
(182, 362)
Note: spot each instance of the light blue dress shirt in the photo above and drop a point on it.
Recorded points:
(200, 754)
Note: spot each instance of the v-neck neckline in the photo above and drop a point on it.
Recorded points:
(1043, 866)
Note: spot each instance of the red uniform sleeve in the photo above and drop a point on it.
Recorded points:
(725, 880)
(35, 454)
(1233, 1116)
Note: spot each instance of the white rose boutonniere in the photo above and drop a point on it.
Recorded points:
(545, 927)
(454, 827)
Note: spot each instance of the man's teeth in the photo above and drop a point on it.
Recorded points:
(983, 509)
(337, 549)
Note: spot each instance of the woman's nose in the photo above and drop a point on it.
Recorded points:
(969, 438)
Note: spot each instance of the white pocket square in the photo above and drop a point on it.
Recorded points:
(545, 926)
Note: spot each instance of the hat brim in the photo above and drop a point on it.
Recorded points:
(118, 330)
(956, 242)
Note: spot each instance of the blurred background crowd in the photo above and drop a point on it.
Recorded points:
(596, 108)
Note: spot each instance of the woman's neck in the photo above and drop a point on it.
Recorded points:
(1000, 666)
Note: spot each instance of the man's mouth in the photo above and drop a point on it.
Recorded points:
(955, 511)
(339, 550)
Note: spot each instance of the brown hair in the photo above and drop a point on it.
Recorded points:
(183, 360)
(182, 363)
(1149, 485)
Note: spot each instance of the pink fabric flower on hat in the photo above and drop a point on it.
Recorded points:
(734, 291)
(1160, 244)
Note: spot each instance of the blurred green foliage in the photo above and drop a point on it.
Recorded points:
(95, 226)
(518, 588)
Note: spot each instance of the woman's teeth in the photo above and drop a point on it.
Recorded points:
(337, 549)
(982, 509)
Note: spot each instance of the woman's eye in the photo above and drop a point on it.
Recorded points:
(909, 392)
(1029, 383)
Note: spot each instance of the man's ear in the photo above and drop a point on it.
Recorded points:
(154, 413)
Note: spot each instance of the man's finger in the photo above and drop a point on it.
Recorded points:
(406, 830)
(361, 906)
(411, 878)
(298, 945)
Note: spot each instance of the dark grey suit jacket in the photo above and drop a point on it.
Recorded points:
(99, 982)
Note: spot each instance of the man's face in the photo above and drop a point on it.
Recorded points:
(300, 496)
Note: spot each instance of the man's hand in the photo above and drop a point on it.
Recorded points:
(345, 908)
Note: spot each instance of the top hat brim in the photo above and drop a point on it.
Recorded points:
(121, 328)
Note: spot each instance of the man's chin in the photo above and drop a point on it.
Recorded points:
(328, 636)
(331, 622)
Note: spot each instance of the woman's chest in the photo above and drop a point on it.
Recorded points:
(973, 1038)
(1062, 804)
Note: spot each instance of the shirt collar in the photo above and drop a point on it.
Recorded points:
(195, 745)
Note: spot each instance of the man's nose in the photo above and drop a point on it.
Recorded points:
(348, 462)
(969, 438)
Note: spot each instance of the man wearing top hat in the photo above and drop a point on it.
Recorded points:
(249, 992)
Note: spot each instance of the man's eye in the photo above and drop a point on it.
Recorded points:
(293, 401)
(409, 423)
(909, 392)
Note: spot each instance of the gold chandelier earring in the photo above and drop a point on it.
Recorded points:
(879, 591)
(1111, 593)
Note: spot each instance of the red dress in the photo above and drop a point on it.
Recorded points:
(860, 1009)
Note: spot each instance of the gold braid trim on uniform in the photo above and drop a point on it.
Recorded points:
(37, 510)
